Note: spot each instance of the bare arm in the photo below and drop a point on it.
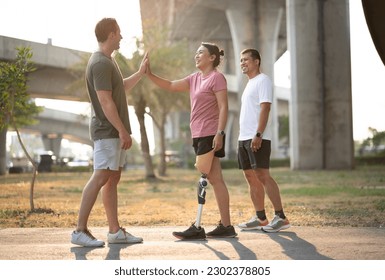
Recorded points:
(111, 113)
(175, 86)
(223, 111)
(263, 118)
(131, 81)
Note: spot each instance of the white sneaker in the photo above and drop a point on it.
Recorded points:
(86, 239)
(276, 224)
(253, 223)
(123, 237)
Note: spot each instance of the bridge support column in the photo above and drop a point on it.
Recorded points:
(270, 15)
(241, 24)
(52, 142)
(321, 105)
(256, 25)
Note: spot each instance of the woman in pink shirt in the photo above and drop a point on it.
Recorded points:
(209, 108)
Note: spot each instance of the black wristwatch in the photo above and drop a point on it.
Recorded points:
(221, 132)
(259, 135)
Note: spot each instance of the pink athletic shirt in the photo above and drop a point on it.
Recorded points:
(204, 107)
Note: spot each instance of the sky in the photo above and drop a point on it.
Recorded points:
(71, 24)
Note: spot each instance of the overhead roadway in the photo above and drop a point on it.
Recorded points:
(317, 35)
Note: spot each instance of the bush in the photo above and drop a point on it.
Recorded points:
(370, 160)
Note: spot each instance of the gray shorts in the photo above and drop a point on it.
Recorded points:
(108, 154)
(247, 159)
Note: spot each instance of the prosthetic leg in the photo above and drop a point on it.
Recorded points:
(201, 192)
(195, 231)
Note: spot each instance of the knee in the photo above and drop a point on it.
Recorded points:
(115, 178)
(112, 179)
(215, 180)
(263, 175)
(249, 176)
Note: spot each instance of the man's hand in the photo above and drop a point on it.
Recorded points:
(125, 140)
(256, 143)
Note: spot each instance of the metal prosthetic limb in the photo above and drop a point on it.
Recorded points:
(201, 191)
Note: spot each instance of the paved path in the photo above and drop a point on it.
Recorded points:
(297, 243)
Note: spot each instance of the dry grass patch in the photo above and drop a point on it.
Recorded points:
(311, 198)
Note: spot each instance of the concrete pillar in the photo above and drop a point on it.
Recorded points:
(269, 18)
(52, 142)
(241, 23)
(255, 24)
(321, 105)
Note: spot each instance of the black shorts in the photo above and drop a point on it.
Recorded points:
(247, 159)
(203, 145)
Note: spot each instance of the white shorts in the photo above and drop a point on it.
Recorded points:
(108, 154)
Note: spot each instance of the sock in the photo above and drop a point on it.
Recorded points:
(261, 215)
(280, 214)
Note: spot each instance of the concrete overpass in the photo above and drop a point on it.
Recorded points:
(54, 79)
(56, 69)
(54, 125)
(315, 32)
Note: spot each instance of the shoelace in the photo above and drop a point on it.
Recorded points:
(124, 230)
(89, 234)
(220, 225)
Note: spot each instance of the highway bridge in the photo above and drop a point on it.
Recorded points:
(315, 32)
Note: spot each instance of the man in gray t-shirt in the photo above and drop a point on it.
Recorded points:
(111, 132)
(103, 74)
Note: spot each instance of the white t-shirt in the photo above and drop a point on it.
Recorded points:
(258, 90)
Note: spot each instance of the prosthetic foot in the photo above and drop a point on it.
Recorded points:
(195, 231)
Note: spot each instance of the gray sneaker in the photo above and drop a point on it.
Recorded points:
(192, 233)
(123, 237)
(222, 232)
(253, 223)
(85, 239)
(276, 224)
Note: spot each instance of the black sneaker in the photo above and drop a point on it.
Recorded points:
(192, 233)
(222, 232)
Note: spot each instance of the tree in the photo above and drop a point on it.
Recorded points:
(17, 108)
(374, 142)
(127, 67)
(137, 98)
(167, 59)
(172, 60)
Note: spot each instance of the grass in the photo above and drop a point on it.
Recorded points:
(351, 198)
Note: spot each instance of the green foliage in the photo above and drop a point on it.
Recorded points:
(15, 103)
(373, 143)
(79, 86)
(168, 60)
(171, 60)
(233, 164)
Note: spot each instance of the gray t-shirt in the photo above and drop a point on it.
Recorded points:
(102, 73)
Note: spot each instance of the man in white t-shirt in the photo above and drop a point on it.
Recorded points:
(254, 145)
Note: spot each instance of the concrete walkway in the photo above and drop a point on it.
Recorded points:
(297, 243)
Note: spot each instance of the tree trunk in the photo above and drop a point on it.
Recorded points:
(149, 168)
(3, 151)
(32, 187)
(162, 168)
